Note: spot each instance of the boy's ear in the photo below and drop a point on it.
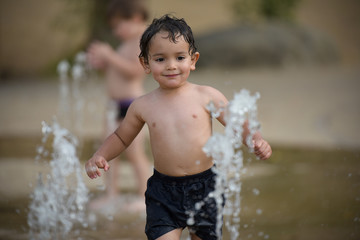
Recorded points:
(194, 59)
(145, 65)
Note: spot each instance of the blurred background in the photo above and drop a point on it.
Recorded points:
(302, 56)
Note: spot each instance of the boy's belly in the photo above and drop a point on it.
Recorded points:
(182, 163)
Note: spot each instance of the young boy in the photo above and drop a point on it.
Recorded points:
(124, 78)
(179, 125)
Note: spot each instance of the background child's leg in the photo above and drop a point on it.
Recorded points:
(111, 188)
(110, 177)
(135, 153)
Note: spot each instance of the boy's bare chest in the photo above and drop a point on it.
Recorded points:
(178, 115)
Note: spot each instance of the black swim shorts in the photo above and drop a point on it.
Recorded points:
(179, 202)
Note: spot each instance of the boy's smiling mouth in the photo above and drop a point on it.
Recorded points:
(172, 75)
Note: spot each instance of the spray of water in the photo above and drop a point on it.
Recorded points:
(225, 149)
(71, 97)
(79, 73)
(58, 201)
(64, 92)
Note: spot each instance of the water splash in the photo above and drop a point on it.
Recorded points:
(64, 93)
(225, 149)
(58, 201)
(80, 74)
(71, 97)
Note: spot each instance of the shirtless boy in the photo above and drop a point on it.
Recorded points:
(124, 77)
(179, 125)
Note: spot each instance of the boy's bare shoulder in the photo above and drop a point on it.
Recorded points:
(141, 105)
(144, 99)
(209, 91)
(204, 88)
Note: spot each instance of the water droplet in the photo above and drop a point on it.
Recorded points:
(259, 211)
(190, 221)
(256, 191)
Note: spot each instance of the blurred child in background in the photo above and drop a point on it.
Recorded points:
(124, 78)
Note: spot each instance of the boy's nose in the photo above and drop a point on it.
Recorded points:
(171, 65)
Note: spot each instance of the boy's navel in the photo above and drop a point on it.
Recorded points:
(194, 116)
(153, 124)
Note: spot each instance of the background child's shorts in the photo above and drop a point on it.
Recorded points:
(170, 204)
(122, 108)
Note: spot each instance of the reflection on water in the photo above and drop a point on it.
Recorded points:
(297, 194)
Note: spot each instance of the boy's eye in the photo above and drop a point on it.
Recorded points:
(159, 59)
(180, 58)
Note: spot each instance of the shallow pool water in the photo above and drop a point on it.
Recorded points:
(297, 194)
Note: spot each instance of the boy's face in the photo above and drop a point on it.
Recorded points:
(170, 63)
(124, 29)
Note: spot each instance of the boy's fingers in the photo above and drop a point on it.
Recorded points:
(98, 173)
(258, 145)
(92, 171)
(266, 153)
(269, 152)
(262, 149)
(107, 166)
(103, 164)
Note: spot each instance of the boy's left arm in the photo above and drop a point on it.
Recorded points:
(262, 148)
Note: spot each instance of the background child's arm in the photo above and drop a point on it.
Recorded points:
(115, 144)
(102, 54)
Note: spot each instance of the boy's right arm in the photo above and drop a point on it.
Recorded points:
(111, 148)
(115, 143)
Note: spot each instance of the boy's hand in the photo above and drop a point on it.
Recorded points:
(262, 148)
(93, 164)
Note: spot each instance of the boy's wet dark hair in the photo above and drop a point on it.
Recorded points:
(126, 9)
(174, 27)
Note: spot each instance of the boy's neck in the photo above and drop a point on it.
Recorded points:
(170, 91)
